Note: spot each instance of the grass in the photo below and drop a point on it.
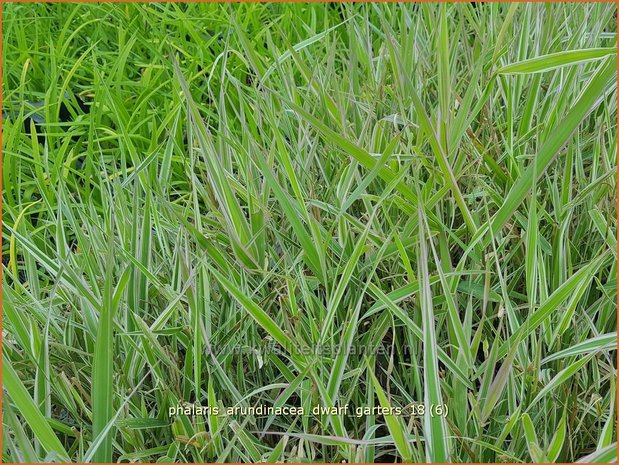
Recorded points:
(309, 205)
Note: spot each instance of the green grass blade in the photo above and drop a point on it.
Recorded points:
(305, 238)
(561, 377)
(30, 412)
(261, 317)
(606, 455)
(394, 423)
(552, 61)
(535, 450)
(437, 448)
(558, 439)
(599, 343)
(600, 84)
(550, 305)
(346, 276)
(102, 370)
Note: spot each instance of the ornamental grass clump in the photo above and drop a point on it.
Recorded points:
(269, 232)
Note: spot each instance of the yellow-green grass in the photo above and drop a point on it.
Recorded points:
(298, 205)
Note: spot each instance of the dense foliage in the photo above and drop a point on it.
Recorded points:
(370, 207)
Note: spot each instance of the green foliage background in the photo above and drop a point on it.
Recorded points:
(309, 204)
